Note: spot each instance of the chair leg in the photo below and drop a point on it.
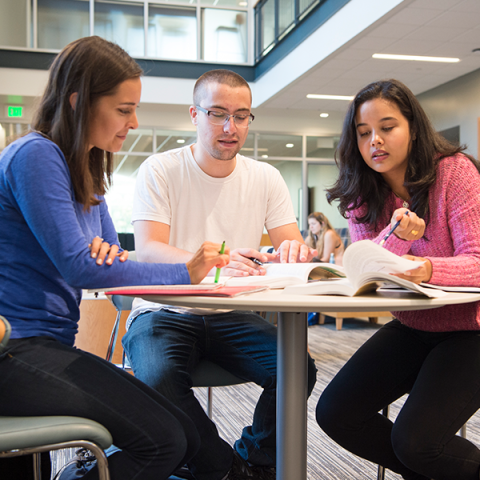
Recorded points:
(339, 323)
(113, 338)
(381, 469)
(37, 466)
(102, 462)
(209, 402)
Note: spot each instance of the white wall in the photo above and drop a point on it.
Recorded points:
(456, 103)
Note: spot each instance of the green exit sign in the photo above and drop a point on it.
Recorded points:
(14, 112)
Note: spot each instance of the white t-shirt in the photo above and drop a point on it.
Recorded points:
(172, 189)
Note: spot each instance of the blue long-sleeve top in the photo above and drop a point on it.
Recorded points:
(45, 260)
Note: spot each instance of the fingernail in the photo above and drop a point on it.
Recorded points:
(99, 261)
(109, 261)
(94, 255)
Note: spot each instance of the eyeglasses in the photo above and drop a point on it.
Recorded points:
(221, 118)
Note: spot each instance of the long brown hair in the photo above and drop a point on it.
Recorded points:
(358, 184)
(91, 67)
(317, 241)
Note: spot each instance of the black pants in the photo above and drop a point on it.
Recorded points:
(40, 376)
(441, 372)
(16, 468)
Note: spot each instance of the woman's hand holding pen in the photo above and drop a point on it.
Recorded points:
(205, 258)
(411, 226)
(100, 249)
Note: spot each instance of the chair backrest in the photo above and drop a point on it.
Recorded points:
(344, 234)
(5, 330)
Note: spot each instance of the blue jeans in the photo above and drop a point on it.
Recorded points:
(41, 376)
(441, 373)
(164, 347)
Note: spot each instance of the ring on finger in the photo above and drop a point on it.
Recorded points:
(414, 232)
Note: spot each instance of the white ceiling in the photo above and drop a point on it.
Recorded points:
(444, 28)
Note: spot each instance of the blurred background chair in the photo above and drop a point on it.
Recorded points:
(34, 435)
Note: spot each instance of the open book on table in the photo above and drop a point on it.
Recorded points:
(280, 275)
(368, 266)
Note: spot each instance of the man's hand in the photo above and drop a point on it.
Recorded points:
(242, 262)
(293, 251)
(204, 259)
(100, 249)
(421, 274)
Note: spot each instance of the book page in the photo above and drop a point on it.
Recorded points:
(280, 275)
(366, 256)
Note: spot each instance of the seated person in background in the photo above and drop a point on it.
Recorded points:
(54, 217)
(208, 190)
(392, 161)
(323, 237)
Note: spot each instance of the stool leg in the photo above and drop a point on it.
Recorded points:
(209, 402)
(37, 466)
(381, 469)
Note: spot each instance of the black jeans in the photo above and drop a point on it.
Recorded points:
(441, 373)
(40, 376)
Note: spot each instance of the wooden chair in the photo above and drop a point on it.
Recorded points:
(34, 435)
(339, 316)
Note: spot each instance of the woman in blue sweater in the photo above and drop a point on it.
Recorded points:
(52, 210)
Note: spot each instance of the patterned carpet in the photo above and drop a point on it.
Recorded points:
(331, 348)
(233, 406)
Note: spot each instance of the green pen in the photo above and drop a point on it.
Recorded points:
(217, 275)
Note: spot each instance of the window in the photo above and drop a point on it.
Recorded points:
(14, 30)
(121, 23)
(61, 21)
(224, 35)
(172, 33)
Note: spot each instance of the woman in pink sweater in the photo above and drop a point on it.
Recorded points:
(392, 162)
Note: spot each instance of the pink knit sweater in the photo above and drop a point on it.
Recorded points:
(451, 242)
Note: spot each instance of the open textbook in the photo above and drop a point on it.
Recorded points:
(280, 275)
(368, 266)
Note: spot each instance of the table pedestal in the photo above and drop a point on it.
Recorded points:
(292, 406)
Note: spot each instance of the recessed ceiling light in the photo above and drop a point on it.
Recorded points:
(289, 145)
(324, 115)
(242, 4)
(180, 140)
(264, 156)
(415, 58)
(330, 97)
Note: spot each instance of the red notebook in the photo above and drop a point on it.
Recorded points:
(219, 291)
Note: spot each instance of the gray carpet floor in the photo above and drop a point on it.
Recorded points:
(331, 348)
(233, 406)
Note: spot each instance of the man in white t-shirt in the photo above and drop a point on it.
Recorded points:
(207, 191)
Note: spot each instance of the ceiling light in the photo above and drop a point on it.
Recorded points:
(264, 156)
(324, 115)
(242, 4)
(289, 145)
(330, 97)
(415, 58)
(180, 140)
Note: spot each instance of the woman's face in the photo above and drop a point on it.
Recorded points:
(114, 115)
(383, 138)
(314, 225)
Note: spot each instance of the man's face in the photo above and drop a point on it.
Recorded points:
(221, 142)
